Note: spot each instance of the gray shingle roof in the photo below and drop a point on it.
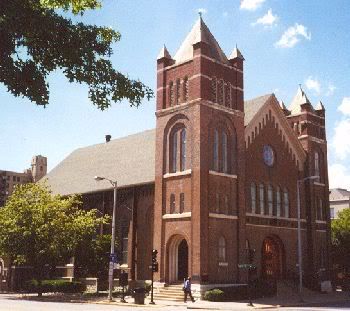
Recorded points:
(129, 160)
(252, 106)
(339, 194)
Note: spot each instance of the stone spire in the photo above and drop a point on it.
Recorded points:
(200, 33)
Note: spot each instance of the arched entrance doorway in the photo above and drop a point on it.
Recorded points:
(177, 259)
(272, 258)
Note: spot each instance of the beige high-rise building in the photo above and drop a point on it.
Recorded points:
(9, 179)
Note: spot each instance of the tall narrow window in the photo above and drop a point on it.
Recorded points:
(217, 203)
(182, 202)
(226, 204)
(320, 205)
(222, 249)
(172, 203)
(177, 91)
(213, 90)
(185, 89)
(253, 197)
(224, 152)
(270, 199)
(317, 164)
(220, 92)
(183, 149)
(262, 199)
(173, 159)
(171, 93)
(228, 95)
(286, 203)
(216, 150)
(278, 202)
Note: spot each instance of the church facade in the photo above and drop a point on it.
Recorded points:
(216, 184)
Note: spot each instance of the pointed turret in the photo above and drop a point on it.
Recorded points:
(284, 108)
(164, 53)
(300, 102)
(319, 106)
(200, 34)
(236, 53)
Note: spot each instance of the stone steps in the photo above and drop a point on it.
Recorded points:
(171, 292)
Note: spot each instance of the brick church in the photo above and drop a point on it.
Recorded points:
(215, 184)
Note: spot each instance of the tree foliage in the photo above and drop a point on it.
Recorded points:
(38, 228)
(36, 40)
(341, 239)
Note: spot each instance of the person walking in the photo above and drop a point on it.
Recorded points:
(187, 289)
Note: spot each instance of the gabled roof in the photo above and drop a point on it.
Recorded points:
(199, 33)
(129, 160)
(299, 99)
(338, 194)
(252, 106)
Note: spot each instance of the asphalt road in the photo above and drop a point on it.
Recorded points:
(345, 305)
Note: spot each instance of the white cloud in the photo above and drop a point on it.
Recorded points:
(313, 84)
(331, 89)
(251, 5)
(292, 36)
(202, 10)
(341, 141)
(344, 107)
(339, 176)
(267, 20)
(225, 14)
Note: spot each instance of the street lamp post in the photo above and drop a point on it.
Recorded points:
(299, 234)
(112, 255)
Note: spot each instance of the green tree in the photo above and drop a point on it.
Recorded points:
(341, 239)
(38, 228)
(36, 40)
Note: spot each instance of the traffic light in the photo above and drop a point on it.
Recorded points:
(154, 260)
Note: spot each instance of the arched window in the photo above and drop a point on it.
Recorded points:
(177, 91)
(253, 197)
(183, 149)
(317, 164)
(224, 152)
(171, 93)
(185, 89)
(220, 92)
(270, 199)
(216, 151)
(262, 199)
(286, 203)
(222, 249)
(213, 90)
(278, 202)
(172, 203)
(173, 152)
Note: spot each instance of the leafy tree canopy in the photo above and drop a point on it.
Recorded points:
(341, 239)
(36, 40)
(38, 228)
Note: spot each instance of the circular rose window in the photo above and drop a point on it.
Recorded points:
(268, 155)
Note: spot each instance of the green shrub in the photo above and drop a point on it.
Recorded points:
(214, 295)
(54, 286)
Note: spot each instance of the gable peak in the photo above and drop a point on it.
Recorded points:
(199, 33)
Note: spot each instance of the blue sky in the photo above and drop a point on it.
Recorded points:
(284, 43)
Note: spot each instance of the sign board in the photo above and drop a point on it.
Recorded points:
(113, 257)
(247, 266)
